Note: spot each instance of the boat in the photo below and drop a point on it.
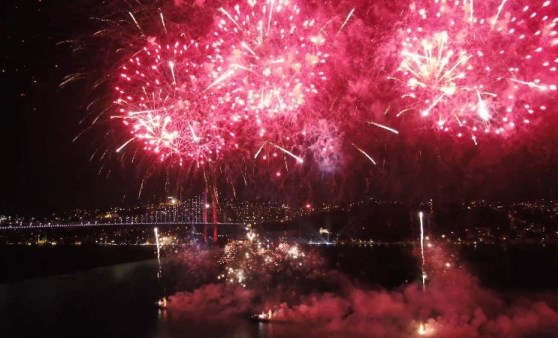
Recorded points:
(262, 317)
(162, 303)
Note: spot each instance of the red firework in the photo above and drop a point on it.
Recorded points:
(474, 68)
(273, 57)
(239, 88)
(162, 98)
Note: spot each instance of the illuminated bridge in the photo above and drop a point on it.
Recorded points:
(98, 224)
(199, 212)
(46, 226)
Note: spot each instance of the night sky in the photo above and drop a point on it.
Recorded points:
(43, 169)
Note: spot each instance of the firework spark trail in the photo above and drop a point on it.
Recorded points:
(297, 158)
(364, 153)
(136, 23)
(464, 67)
(495, 20)
(422, 330)
(472, 12)
(163, 22)
(346, 20)
(157, 243)
(259, 150)
(383, 127)
(423, 262)
(156, 231)
(287, 152)
(119, 149)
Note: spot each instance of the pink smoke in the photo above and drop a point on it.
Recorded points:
(211, 300)
(453, 304)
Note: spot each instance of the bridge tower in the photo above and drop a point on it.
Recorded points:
(214, 207)
(204, 207)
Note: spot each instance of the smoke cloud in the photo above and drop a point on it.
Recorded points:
(452, 304)
(212, 300)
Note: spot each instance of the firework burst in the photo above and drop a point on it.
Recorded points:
(273, 57)
(479, 68)
(161, 97)
(232, 94)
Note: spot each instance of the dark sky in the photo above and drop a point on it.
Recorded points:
(43, 170)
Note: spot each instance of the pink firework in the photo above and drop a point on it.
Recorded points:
(272, 57)
(479, 68)
(162, 98)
